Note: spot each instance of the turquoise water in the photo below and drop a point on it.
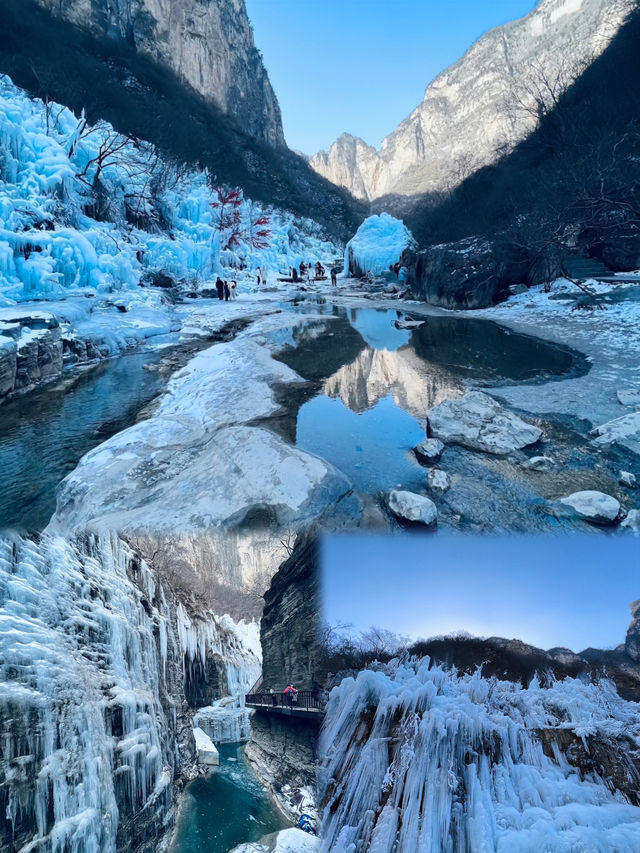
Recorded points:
(226, 808)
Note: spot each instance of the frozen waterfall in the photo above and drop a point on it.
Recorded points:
(420, 758)
(93, 658)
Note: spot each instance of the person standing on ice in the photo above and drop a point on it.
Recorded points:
(259, 276)
(234, 290)
(334, 276)
(220, 288)
(227, 291)
(263, 275)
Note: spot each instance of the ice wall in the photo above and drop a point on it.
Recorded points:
(85, 210)
(94, 723)
(420, 758)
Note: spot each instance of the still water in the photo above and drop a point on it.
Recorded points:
(226, 808)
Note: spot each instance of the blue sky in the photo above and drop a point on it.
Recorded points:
(571, 591)
(361, 66)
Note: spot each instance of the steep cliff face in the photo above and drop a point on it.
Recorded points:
(289, 626)
(207, 43)
(484, 104)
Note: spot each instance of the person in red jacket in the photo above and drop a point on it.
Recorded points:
(290, 692)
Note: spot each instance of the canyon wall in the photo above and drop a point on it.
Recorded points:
(481, 106)
(208, 45)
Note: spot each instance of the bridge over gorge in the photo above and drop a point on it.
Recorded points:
(304, 703)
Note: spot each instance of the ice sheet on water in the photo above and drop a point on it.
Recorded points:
(420, 758)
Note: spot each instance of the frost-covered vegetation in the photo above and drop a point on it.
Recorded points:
(421, 758)
(85, 209)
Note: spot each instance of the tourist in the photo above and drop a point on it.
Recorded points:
(227, 291)
(290, 692)
(234, 289)
(263, 275)
(259, 276)
(334, 276)
(220, 288)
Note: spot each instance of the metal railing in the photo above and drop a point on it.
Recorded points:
(303, 700)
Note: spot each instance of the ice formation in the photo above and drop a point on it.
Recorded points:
(92, 662)
(226, 721)
(377, 244)
(85, 210)
(420, 758)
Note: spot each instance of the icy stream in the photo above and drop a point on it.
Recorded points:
(44, 433)
(226, 808)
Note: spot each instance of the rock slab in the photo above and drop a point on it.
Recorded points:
(593, 506)
(479, 422)
(413, 508)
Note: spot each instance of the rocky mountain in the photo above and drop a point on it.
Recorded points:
(481, 106)
(209, 45)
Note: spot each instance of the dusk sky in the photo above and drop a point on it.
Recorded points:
(571, 591)
(361, 66)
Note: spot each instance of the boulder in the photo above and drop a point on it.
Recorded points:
(416, 509)
(539, 463)
(628, 396)
(632, 521)
(626, 478)
(428, 451)
(516, 289)
(205, 748)
(478, 422)
(592, 506)
(469, 273)
(623, 430)
(438, 480)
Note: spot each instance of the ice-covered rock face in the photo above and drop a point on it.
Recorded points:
(209, 45)
(418, 758)
(478, 105)
(96, 668)
(478, 422)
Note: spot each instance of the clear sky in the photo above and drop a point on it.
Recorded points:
(361, 66)
(564, 590)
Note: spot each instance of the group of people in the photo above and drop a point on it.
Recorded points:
(226, 289)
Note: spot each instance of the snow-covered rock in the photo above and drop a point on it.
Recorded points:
(429, 451)
(291, 840)
(592, 506)
(632, 521)
(416, 509)
(626, 478)
(197, 464)
(478, 422)
(377, 244)
(539, 463)
(624, 430)
(205, 748)
(438, 480)
(628, 397)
